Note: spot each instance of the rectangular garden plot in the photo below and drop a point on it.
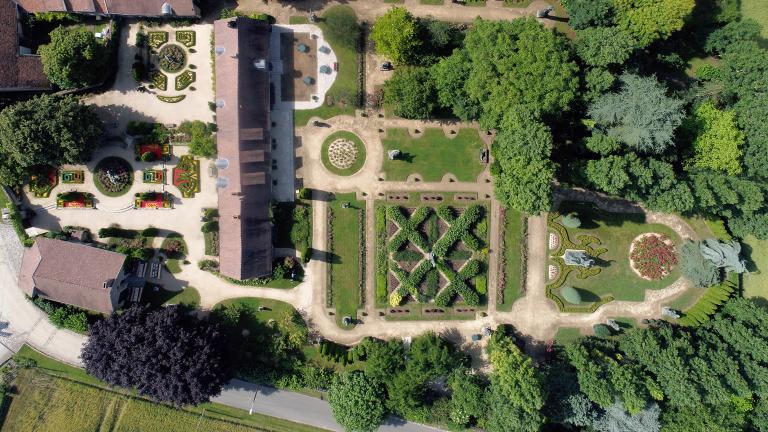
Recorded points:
(431, 260)
(346, 219)
(606, 237)
(433, 154)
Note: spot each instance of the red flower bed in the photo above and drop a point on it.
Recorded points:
(653, 256)
(155, 149)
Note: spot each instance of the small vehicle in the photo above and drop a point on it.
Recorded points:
(386, 66)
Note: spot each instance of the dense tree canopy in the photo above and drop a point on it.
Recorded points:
(515, 395)
(649, 20)
(602, 46)
(167, 354)
(522, 170)
(356, 402)
(641, 115)
(717, 143)
(45, 131)
(74, 57)
(411, 93)
(449, 74)
(518, 65)
(589, 13)
(395, 35)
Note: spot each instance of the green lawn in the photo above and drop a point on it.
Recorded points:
(756, 282)
(616, 232)
(431, 2)
(686, 299)
(758, 11)
(359, 146)
(433, 154)
(173, 266)
(567, 335)
(189, 296)
(345, 255)
(513, 244)
(59, 398)
(273, 309)
(345, 84)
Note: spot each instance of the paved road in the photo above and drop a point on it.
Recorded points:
(297, 407)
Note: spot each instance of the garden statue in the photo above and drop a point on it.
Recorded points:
(312, 17)
(725, 254)
(613, 324)
(669, 312)
(543, 13)
(431, 258)
(578, 258)
(393, 154)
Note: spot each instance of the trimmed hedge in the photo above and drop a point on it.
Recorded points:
(710, 302)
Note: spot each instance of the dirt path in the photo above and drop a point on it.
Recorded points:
(368, 10)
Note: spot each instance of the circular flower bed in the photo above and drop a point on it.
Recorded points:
(113, 176)
(652, 256)
(172, 58)
(343, 153)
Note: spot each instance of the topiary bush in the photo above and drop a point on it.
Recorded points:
(571, 295)
(571, 220)
(602, 330)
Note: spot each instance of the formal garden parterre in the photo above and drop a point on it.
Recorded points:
(619, 271)
(431, 256)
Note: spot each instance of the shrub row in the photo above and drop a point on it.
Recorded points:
(381, 254)
(710, 302)
(458, 228)
(64, 316)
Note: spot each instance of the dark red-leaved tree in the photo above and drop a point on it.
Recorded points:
(167, 354)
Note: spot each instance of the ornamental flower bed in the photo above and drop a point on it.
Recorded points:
(186, 176)
(186, 38)
(153, 176)
(160, 80)
(157, 38)
(653, 256)
(157, 151)
(42, 183)
(153, 200)
(74, 200)
(184, 79)
(171, 58)
(113, 176)
(73, 176)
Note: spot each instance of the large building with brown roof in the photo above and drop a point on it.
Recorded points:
(18, 72)
(242, 118)
(75, 274)
(136, 8)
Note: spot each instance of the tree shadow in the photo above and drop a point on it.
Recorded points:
(746, 252)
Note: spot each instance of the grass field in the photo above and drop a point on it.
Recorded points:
(513, 238)
(345, 84)
(566, 335)
(188, 296)
(616, 232)
(59, 398)
(433, 154)
(273, 309)
(345, 265)
(758, 11)
(756, 282)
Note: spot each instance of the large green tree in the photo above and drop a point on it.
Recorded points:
(641, 115)
(518, 65)
(602, 46)
(516, 396)
(649, 20)
(717, 143)
(589, 13)
(449, 75)
(356, 402)
(45, 131)
(395, 35)
(411, 93)
(74, 58)
(522, 170)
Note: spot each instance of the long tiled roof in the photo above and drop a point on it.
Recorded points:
(70, 273)
(149, 8)
(17, 72)
(242, 117)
